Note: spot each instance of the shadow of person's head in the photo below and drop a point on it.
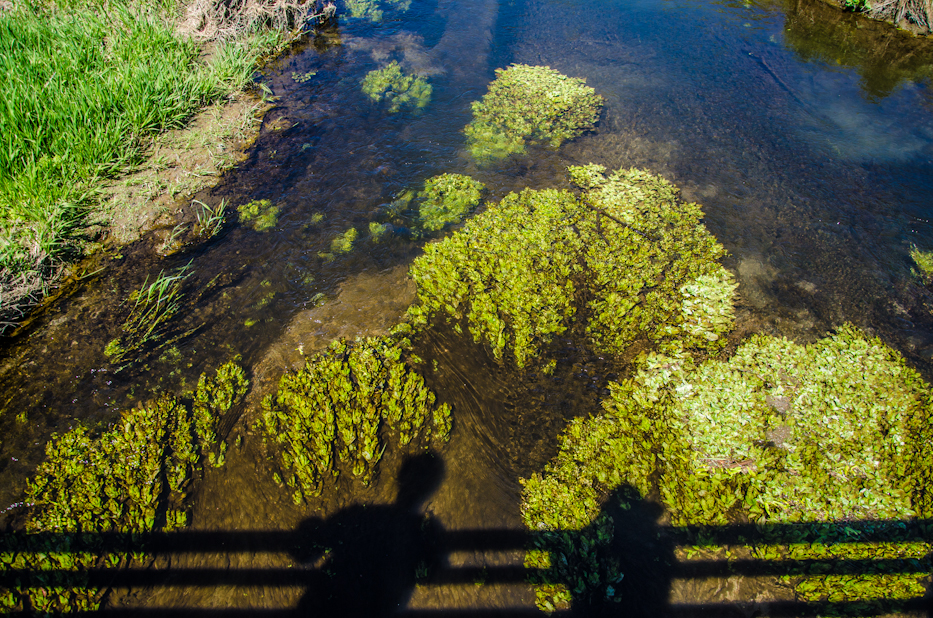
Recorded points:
(418, 478)
(620, 564)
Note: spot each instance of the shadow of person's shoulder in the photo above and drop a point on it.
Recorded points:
(641, 553)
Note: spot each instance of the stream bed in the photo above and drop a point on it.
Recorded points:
(805, 133)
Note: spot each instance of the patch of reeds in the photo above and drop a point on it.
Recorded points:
(210, 220)
(148, 327)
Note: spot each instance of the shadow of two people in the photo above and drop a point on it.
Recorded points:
(370, 558)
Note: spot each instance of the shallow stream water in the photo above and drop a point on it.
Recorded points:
(805, 133)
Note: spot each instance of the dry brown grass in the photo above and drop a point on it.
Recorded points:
(225, 19)
(902, 12)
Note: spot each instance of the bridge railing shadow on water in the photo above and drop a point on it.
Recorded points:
(367, 561)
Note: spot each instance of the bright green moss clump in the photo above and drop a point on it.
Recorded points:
(448, 198)
(261, 215)
(780, 433)
(131, 478)
(530, 104)
(336, 407)
(628, 258)
(392, 85)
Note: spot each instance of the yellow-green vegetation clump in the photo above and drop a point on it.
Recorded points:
(835, 431)
(527, 105)
(398, 89)
(448, 198)
(342, 405)
(628, 258)
(261, 215)
(377, 230)
(343, 243)
(924, 263)
(130, 478)
(373, 10)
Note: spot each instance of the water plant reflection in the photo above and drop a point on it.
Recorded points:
(884, 56)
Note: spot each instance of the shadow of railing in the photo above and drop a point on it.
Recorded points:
(482, 542)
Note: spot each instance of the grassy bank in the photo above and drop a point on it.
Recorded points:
(84, 86)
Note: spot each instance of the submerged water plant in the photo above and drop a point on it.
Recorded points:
(398, 89)
(628, 258)
(448, 198)
(373, 10)
(377, 230)
(530, 104)
(340, 407)
(924, 262)
(780, 433)
(261, 215)
(130, 478)
(343, 243)
(148, 324)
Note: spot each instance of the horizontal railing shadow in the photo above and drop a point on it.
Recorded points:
(304, 575)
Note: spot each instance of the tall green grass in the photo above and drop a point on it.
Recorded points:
(82, 87)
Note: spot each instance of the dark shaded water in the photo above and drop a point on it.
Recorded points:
(805, 133)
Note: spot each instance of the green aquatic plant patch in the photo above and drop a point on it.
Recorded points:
(130, 478)
(397, 88)
(374, 10)
(628, 258)
(83, 86)
(530, 104)
(343, 405)
(924, 263)
(448, 198)
(261, 215)
(377, 230)
(780, 433)
(343, 243)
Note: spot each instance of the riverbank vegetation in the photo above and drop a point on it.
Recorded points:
(84, 87)
(127, 479)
